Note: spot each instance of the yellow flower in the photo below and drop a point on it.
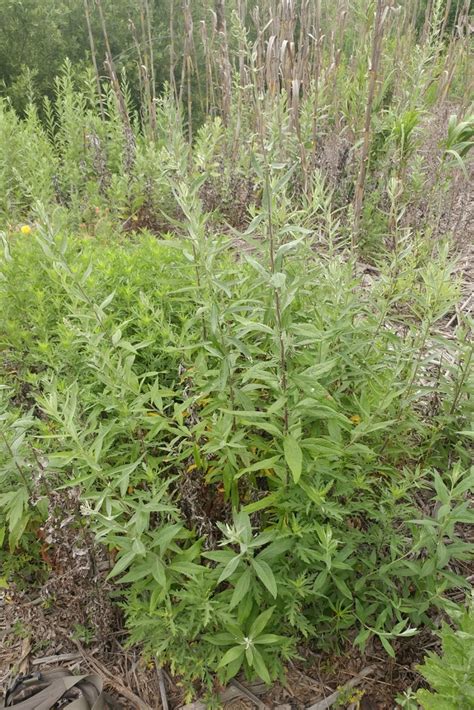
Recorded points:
(25, 229)
(355, 419)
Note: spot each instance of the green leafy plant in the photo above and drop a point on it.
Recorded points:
(459, 141)
(451, 675)
(267, 430)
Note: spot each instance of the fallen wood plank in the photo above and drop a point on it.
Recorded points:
(24, 662)
(161, 682)
(331, 699)
(246, 692)
(60, 658)
(231, 693)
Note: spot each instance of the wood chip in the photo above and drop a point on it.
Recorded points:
(331, 699)
(231, 693)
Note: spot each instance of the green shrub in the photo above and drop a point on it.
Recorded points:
(451, 675)
(273, 448)
(249, 437)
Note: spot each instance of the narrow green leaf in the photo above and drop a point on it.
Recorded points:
(241, 588)
(293, 456)
(265, 575)
(122, 564)
(269, 639)
(260, 667)
(229, 569)
(260, 622)
(387, 646)
(232, 655)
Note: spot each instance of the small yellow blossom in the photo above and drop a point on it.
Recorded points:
(25, 229)
(355, 419)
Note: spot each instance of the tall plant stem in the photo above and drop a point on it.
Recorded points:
(276, 295)
(113, 74)
(173, 86)
(94, 58)
(364, 158)
(317, 40)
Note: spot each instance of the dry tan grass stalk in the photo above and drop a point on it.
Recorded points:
(223, 57)
(94, 58)
(188, 63)
(242, 14)
(373, 70)
(427, 23)
(146, 22)
(110, 66)
(317, 70)
(141, 67)
(207, 47)
(173, 86)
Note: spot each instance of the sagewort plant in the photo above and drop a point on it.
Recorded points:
(249, 510)
(236, 339)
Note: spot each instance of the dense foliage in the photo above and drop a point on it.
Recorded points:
(268, 435)
(451, 674)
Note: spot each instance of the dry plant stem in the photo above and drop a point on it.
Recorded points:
(427, 23)
(317, 40)
(172, 54)
(242, 11)
(374, 65)
(109, 63)
(133, 30)
(147, 69)
(209, 100)
(148, 23)
(187, 60)
(188, 65)
(445, 18)
(94, 58)
(224, 62)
